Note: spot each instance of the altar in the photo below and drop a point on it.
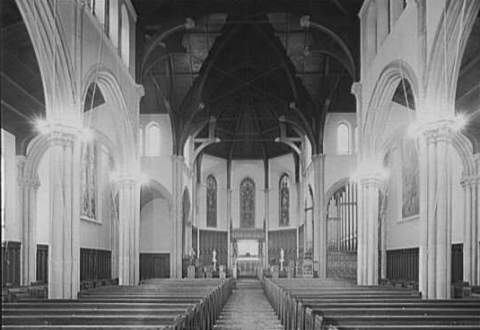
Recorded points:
(247, 266)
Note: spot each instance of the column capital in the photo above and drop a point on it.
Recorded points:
(470, 180)
(437, 131)
(356, 89)
(318, 157)
(28, 182)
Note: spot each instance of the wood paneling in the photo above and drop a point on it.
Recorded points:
(282, 239)
(42, 263)
(95, 264)
(11, 263)
(457, 263)
(402, 264)
(154, 265)
(213, 239)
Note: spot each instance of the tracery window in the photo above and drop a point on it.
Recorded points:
(211, 201)
(247, 203)
(89, 182)
(343, 139)
(284, 203)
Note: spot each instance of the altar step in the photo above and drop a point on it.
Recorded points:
(249, 309)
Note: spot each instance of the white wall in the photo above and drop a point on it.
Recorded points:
(11, 231)
(159, 168)
(338, 166)
(155, 227)
(43, 201)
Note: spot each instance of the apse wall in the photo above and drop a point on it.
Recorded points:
(10, 225)
(277, 167)
(218, 168)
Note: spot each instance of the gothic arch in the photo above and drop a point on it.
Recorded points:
(54, 62)
(376, 116)
(333, 188)
(125, 120)
(442, 75)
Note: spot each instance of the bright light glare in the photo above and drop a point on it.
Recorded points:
(86, 135)
(42, 126)
(459, 122)
(370, 169)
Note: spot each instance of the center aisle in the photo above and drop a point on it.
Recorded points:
(249, 309)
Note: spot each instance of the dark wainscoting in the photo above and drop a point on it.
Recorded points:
(95, 264)
(457, 263)
(154, 265)
(42, 263)
(402, 264)
(282, 239)
(11, 263)
(213, 239)
(342, 264)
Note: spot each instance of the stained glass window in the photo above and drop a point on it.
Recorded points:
(247, 203)
(89, 181)
(410, 178)
(211, 201)
(284, 195)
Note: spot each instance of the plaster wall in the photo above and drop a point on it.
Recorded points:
(155, 236)
(159, 168)
(11, 227)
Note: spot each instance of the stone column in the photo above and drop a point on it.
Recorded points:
(470, 245)
(368, 216)
(320, 223)
(229, 227)
(128, 230)
(267, 226)
(64, 250)
(177, 194)
(435, 210)
(27, 216)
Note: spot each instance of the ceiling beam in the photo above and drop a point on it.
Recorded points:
(21, 89)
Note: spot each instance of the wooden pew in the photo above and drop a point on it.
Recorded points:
(314, 304)
(160, 304)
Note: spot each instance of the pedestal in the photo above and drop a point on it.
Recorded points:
(307, 269)
(191, 271)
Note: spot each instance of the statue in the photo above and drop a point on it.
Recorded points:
(282, 258)
(214, 259)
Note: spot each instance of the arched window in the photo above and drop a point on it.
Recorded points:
(211, 201)
(125, 36)
(152, 139)
(343, 139)
(89, 182)
(247, 203)
(284, 202)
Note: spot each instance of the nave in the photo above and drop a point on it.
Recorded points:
(157, 154)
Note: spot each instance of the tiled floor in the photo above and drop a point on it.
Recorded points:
(248, 309)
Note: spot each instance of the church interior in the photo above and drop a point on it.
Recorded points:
(240, 164)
